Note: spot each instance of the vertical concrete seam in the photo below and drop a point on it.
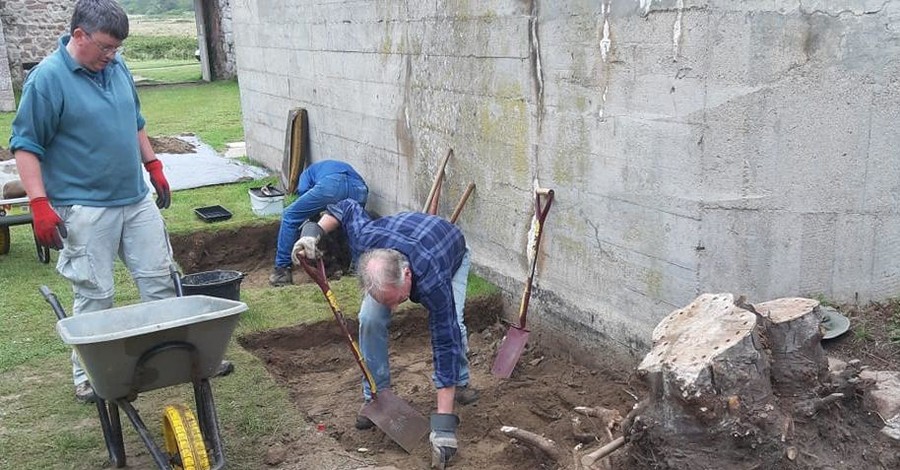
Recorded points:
(698, 286)
(605, 47)
(676, 30)
(537, 74)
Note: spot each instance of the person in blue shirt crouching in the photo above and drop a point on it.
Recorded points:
(322, 183)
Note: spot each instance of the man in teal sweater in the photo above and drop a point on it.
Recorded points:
(80, 143)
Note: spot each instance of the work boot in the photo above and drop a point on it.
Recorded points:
(281, 276)
(84, 393)
(466, 395)
(363, 423)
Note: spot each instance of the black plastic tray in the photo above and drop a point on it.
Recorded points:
(213, 213)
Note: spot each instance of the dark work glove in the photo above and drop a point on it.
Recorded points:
(443, 438)
(160, 184)
(49, 229)
(307, 244)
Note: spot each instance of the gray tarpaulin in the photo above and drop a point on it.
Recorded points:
(204, 167)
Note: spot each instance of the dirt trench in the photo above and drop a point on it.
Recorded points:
(312, 361)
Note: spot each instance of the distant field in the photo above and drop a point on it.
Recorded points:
(159, 48)
(181, 25)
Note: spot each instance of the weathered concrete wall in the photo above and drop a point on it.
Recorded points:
(694, 146)
(32, 28)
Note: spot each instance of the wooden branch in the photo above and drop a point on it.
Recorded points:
(588, 460)
(605, 414)
(533, 440)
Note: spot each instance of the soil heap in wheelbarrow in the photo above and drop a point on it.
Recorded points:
(313, 362)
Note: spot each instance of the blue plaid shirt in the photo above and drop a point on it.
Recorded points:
(435, 249)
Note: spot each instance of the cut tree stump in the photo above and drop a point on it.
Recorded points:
(793, 329)
(726, 379)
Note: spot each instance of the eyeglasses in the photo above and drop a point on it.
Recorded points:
(106, 50)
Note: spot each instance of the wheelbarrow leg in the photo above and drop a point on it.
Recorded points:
(160, 457)
(112, 432)
(209, 422)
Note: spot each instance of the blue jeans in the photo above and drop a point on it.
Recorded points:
(375, 319)
(329, 190)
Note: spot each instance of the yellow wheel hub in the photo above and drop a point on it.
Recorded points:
(184, 442)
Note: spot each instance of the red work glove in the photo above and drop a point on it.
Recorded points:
(49, 229)
(163, 194)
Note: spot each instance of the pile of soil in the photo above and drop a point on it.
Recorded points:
(314, 363)
(164, 144)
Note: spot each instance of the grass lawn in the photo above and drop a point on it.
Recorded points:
(165, 71)
(42, 427)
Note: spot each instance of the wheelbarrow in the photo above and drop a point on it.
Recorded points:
(151, 345)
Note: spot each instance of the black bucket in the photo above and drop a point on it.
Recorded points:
(223, 284)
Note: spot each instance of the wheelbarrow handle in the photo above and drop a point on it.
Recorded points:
(176, 280)
(51, 299)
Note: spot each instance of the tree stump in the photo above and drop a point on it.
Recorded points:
(710, 372)
(793, 329)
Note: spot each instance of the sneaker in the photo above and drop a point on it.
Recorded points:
(466, 395)
(84, 393)
(363, 423)
(281, 277)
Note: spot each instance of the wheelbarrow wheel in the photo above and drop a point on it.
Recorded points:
(184, 442)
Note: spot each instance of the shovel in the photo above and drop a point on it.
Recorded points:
(396, 418)
(517, 335)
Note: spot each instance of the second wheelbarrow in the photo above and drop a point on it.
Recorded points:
(394, 416)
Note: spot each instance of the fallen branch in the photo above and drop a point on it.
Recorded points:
(588, 460)
(543, 444)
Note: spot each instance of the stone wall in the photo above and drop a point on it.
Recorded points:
(694, 146)
(32, 28)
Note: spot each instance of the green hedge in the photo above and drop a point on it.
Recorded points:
(159, 47)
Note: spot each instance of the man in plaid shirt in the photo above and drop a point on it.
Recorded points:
(412, 256)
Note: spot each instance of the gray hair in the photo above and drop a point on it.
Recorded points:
(380, 268)
(105, 16)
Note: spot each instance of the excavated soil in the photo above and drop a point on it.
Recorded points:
(167, 144)
(314, 364)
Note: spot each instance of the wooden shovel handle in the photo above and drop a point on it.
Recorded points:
(541, 216)
(318, 275)
(438, 179)
(462, 202)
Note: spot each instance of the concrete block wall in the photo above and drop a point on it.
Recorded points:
(694, 145)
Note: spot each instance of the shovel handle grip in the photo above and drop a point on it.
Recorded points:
(317, 274)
